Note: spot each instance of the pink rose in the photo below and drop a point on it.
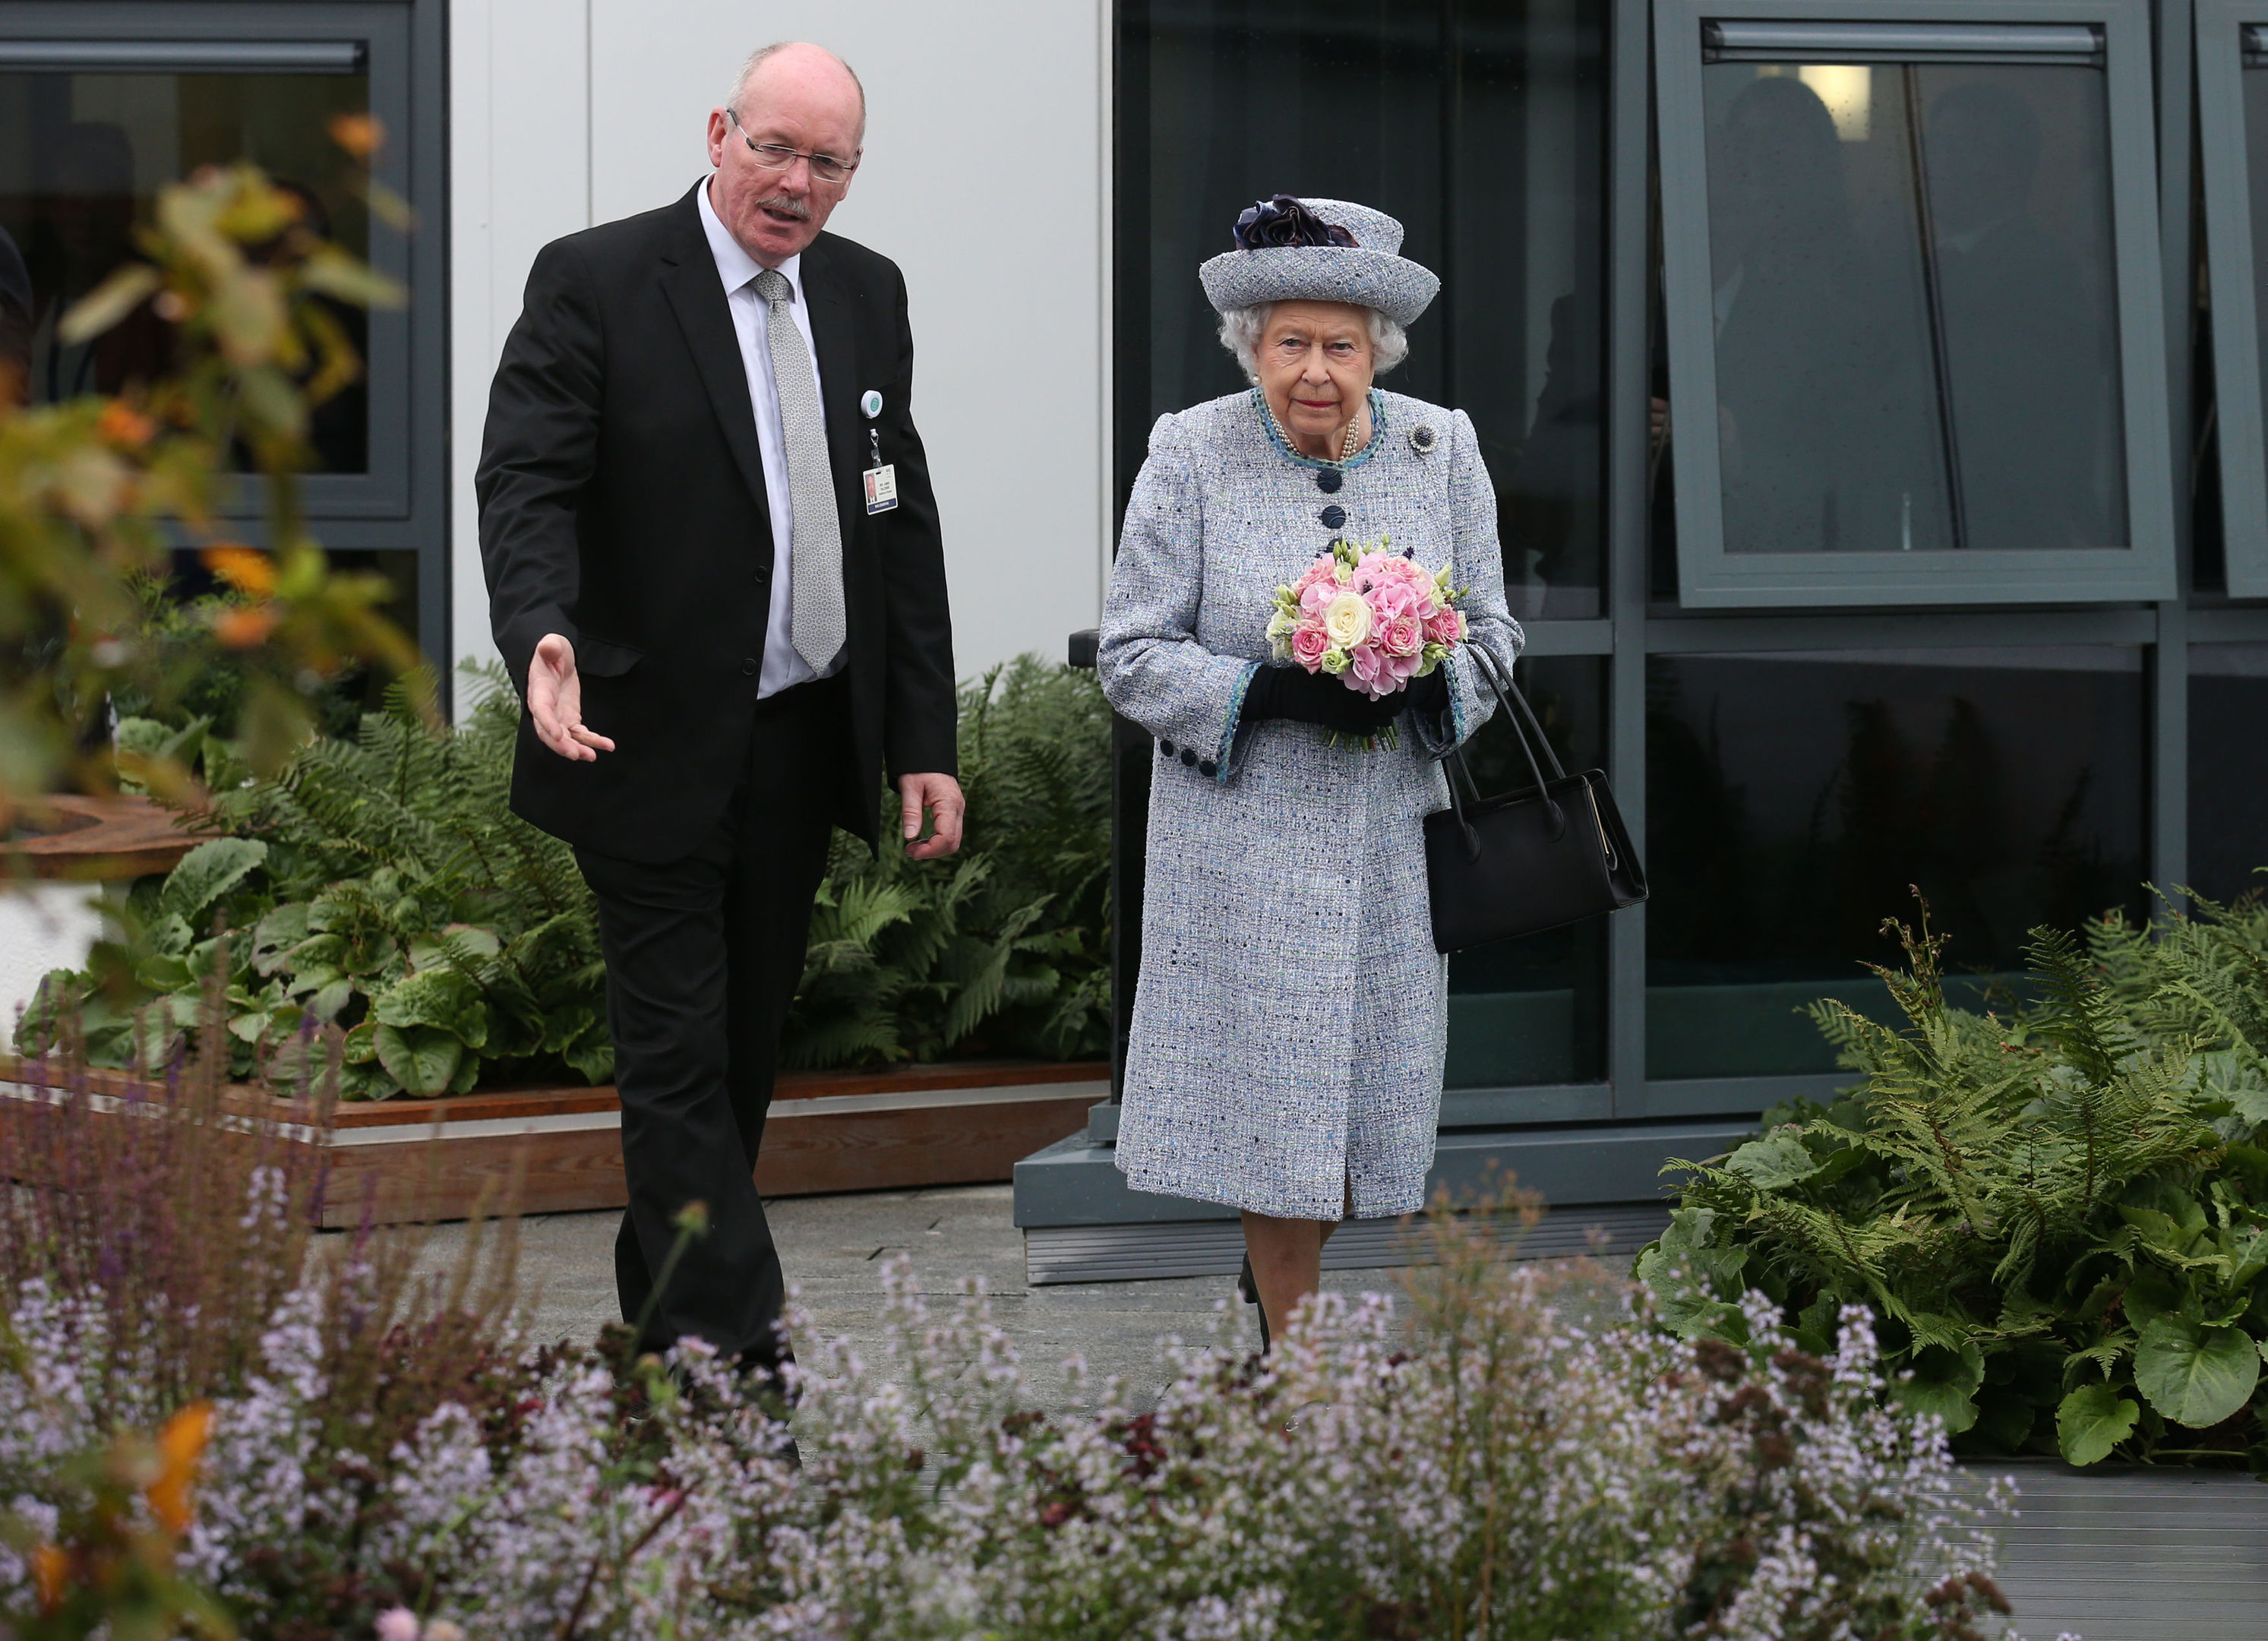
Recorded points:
(1392, 601)
(1308, 644)
(397, 1624)
(1314, 598)
(1447, 627)
(1402, 635)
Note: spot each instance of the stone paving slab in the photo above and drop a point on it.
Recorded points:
(2111, 1556)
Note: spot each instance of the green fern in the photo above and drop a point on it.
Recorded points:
(2074, 1194)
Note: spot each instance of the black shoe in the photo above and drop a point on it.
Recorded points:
(1249, 1292)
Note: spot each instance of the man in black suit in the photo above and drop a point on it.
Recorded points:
(714, 572)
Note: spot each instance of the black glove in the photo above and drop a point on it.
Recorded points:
(1316, 698)
(1428, 694)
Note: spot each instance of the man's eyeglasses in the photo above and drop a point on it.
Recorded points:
(778, 157)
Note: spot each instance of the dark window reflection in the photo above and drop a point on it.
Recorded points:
(1482, 128)
(1914, 307)
(1792, 799)
(1534, 1010)
(2228, 747)
(81, 157)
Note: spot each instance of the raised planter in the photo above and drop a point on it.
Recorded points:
(956, 1124)
(61, 849)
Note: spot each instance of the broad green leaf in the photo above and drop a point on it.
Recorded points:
(2161, 1233)
(275, 937)
(1775, 1162)
(2193, 1374)
(1944, 1382)
(208, 872)
(2093, 1420)
(1683, 1269)
(423, 1058)
(2249, 1260)
(2154, 1293)
(441, 999)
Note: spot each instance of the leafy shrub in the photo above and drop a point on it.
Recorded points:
(382, 885)
(2060, 1216)
(1002, 949)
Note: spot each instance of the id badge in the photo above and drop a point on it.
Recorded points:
(881, 488)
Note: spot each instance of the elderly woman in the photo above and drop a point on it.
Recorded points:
(1290, 1021)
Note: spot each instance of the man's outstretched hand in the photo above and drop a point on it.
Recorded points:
(555, 700)
(941, 796)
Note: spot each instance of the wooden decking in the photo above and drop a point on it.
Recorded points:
(2137, 1554)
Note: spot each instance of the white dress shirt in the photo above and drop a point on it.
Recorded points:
(751, 324)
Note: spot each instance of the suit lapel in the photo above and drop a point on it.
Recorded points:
(696, 296)
(834, 332)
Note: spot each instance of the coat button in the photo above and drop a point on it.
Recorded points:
(1329, 479)
(751, 667)
(1189, 758)
(1208, 769)
(1332, 516)
(1167, 747)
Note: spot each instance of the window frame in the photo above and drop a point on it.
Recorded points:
(2229, 268)
(1709, 577)
(399, 504)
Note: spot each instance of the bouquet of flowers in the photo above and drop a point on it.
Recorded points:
(1369, 617)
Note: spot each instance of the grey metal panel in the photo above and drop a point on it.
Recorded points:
(231, 56)
(1215, 1247)
(1074, 1182)
(1709, 577)
(1698, 635)
(2228, 626)
(1629, 272)
(1506, 1107)
(1750, 40)
(1745, 1097)
(1569, 638)
(2228, 265)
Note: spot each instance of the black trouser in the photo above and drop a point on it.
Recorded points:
(703, 954)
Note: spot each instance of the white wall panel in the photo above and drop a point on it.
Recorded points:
(519, 176)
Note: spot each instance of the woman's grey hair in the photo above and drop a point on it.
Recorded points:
(1241, 328)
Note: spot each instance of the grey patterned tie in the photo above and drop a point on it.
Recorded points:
(815, 558)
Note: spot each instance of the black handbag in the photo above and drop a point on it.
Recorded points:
(1539, 858)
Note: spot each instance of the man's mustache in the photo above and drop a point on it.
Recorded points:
(787, 205)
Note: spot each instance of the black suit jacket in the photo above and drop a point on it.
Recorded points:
(622, 498)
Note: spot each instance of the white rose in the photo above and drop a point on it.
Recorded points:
(1346, 620)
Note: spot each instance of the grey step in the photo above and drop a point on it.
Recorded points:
(1215, 1247)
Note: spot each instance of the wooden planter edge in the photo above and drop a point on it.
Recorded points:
(902, 1128)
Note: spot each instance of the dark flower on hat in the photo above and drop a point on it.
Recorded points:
(1284, 220)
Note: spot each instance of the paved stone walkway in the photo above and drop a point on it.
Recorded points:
(2131, 1555)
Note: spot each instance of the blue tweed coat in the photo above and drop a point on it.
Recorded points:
(1290, 1019)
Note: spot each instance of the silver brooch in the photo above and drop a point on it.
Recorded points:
(1422, 438)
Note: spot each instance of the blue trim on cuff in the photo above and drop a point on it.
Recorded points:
(1235, 718)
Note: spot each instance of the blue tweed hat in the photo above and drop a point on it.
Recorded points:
(1368, 271)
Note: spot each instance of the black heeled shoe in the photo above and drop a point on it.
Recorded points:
(1249, 1292)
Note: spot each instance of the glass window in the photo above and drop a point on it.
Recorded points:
(81, 157)
(1534, 1010)
(1482, 128)
(1894, 288)
(2233, 126)
(2228, 821)
(1793, 798)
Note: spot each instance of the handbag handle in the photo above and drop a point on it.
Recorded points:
(1530, 736)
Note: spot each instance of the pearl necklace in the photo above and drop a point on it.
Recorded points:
(1347, 445)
